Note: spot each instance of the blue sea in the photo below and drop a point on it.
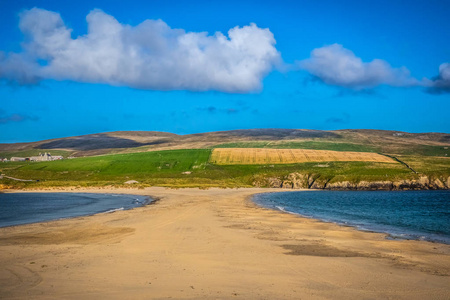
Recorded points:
(420, 215)
(24, 208)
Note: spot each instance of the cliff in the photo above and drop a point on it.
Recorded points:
(314, 181)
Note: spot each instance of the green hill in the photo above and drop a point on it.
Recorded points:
(165, 159)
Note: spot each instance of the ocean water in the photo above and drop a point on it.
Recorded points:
(421, 215)
(24, 208)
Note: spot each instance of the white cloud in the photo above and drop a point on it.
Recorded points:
(339, 66)
(440, 84)
(150, 55)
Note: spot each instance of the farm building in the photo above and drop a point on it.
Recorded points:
(18, 159)
(45, 157)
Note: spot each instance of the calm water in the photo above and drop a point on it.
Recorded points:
(23, 208)
(423, 215)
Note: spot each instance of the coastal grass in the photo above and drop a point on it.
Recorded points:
(433, 166)
(159, 162)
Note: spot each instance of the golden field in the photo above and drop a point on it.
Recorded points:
(245, 156)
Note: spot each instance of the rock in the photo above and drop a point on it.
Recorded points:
(409, 185)
(342, 185)
(401, 185)
(187, 173)
(374, 185)
(286, 184)
(298, 181)
(438, 184)
(318, 185)
(313, 181)
(131, 182)
(274, 182)
(424, 180)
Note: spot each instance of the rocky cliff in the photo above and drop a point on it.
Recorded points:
(315, 181)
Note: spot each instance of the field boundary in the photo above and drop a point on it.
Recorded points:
(402, 162)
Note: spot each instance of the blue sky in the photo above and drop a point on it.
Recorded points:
(303, 64)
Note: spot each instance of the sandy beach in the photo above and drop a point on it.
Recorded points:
(213, 244)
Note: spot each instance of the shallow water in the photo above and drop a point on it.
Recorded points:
(422, 215)
(24, 208)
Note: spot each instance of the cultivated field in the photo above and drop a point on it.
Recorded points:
(259, 156)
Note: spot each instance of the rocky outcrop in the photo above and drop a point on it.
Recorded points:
(315, 181)
(275, 182)
(342, 185)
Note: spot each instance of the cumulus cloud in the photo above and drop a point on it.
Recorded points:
(336, 65)
(150, 55)
(441, 83)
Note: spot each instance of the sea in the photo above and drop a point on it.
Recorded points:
(418, 215)
(25, 208)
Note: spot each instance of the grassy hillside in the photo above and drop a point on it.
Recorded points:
(157, 158)
(168, 168)
(433, 166)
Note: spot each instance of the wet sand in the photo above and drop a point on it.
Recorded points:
(213, 244)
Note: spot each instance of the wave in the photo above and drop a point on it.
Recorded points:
(113, 210)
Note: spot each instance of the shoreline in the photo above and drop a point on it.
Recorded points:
(391, 232)
(388, 235)
(196, 243)
(147, 200)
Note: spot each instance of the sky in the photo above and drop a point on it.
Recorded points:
(80, 67)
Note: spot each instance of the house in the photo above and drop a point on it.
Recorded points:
(45, 157)
(18, 159)
(41, 157)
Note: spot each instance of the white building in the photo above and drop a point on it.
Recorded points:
(41, 157)
(18, 159)
(45, 157)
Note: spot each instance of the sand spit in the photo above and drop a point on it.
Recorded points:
(213, 244)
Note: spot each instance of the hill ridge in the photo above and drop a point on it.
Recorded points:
(385, 141)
